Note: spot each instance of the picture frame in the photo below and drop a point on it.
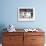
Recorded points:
(26, 14)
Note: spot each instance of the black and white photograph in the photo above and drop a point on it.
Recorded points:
(26, 14)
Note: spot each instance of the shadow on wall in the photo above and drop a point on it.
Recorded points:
(2, 26)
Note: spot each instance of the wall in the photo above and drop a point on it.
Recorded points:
(9, 13)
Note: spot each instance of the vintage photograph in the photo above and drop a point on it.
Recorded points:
(26, 14)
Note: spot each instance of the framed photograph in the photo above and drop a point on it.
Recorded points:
(26, 14)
